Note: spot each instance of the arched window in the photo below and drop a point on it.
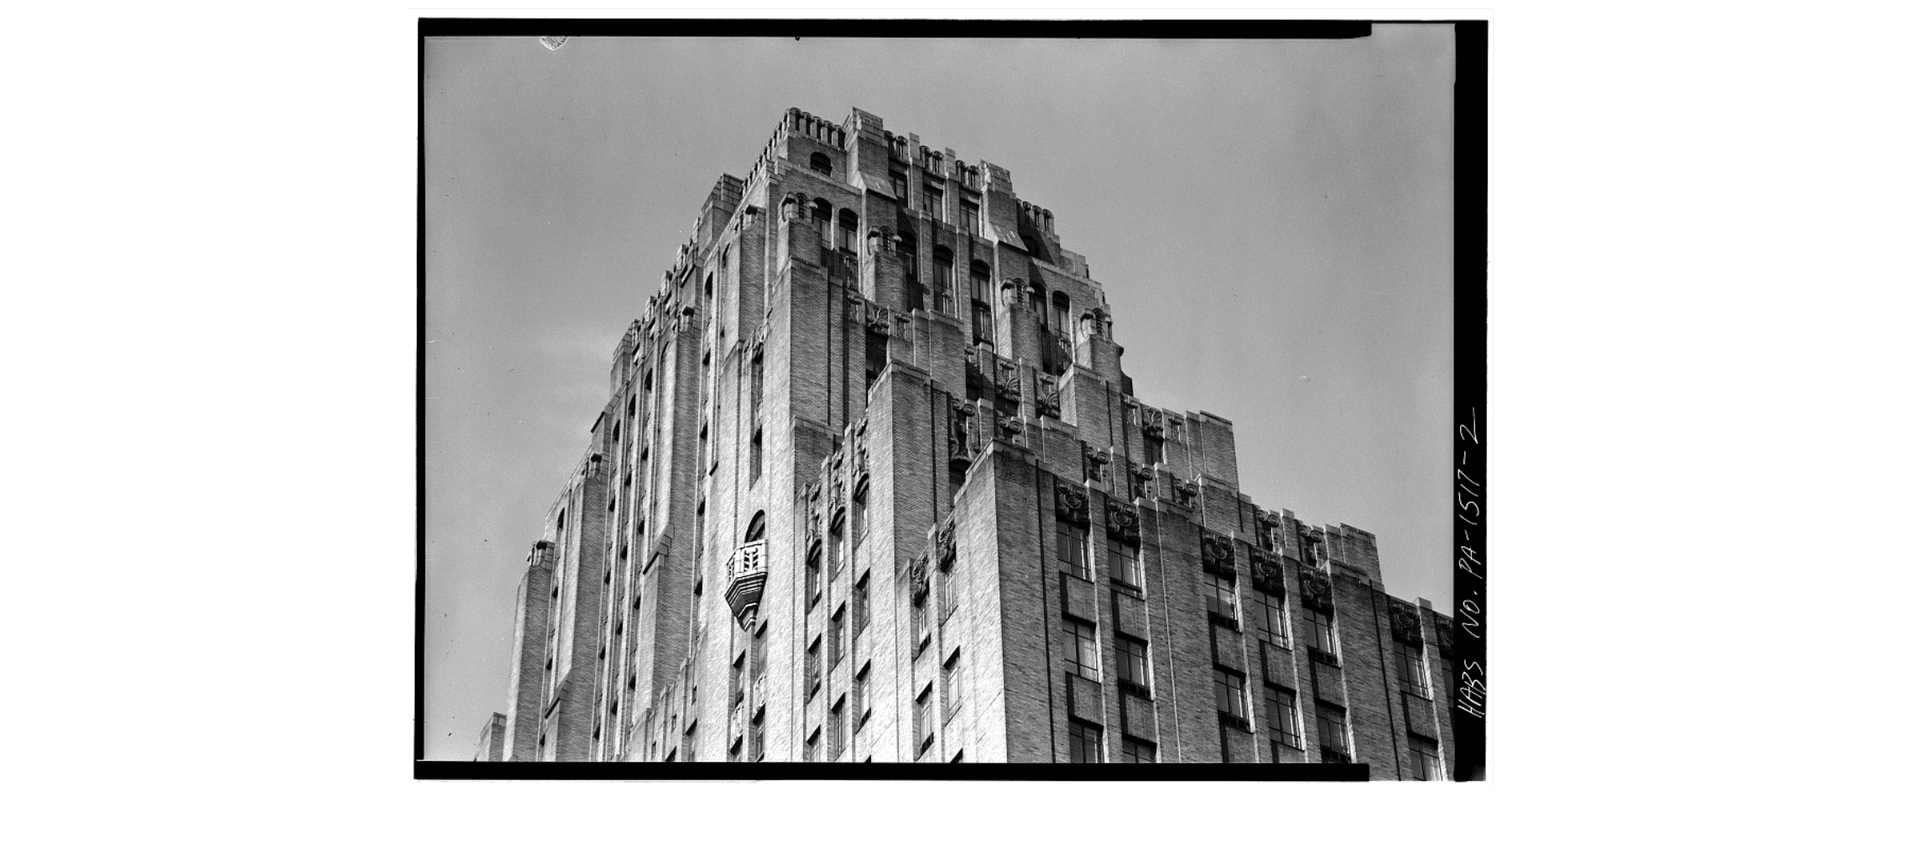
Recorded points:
(849, 229)
(822, 217)
(822, 164)
(943, 279)
(909, 256)
(757, 529)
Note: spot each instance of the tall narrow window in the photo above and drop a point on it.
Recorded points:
(1413, 670)
(1283, 719)
(849, 229)
(1320, 634)
(1230, 696)
(813, 666)
(754, 457)
(862, 700)
(923, 721)
(822, 213)
(909, 253)
(861, 610)
(950, 684)
(837, 539)
(899, 187)
(837, 729)
(1270, 618)
(1426, 759)
(1220, 598)
(970, 216)
(979, 286)
(943, 280)
(757, 383)
(1070, 549)
(859, 516)
(1135, 675)
(936, 201)
(1083, 651)
(876, 357)
(949, 593)
(1154, 451)
(1061, 321)
(1331, 724)
(1123, 564)
(813, 577)
(837, 638)
(1083, 742)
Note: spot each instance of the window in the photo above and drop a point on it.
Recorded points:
(979, 281)
(1071, 550)
(813, 666)
(737, 683)
(812, 751)
(1283, 718)
(1413, 671)
(1062, 310)
(822, 163)
(1135, 675)
(936, 201)
(1220, 597)
(837, 638)
(754, 457)
(849, 226)
(909, 256)
(949, 593)
(1136, 750)
(837, 538)
(1331, 723)
(1083, 651)
(876, 357)
(1426, 760)
(1123, 564)
(862, 610)
(950, 684)
(837, 729)
(822, 217)
(813, 577)
(859, 516)
(1083, 742)
(1154, 454)
(923, 721)
(1230, 696)
(862, 700)
(942, 280)
(970, 216)
(899, 187)
(1320, 634)
(1270, 618)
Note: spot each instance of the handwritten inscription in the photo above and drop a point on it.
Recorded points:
(1470, 696)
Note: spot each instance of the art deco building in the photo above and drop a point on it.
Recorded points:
(871, 484)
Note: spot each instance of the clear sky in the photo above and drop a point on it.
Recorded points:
(1272, 223)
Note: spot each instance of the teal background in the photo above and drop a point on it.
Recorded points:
(1704, 450)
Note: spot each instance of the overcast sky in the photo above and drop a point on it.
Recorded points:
(1271, 222)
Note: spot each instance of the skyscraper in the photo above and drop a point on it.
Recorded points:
(871, 484)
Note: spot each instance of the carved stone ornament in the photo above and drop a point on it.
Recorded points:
(1070, 503)
(1007, 380)
(1144, 482)
(1184, 492)
(1012, 429)
(917, 581)
(1443, 639)
(1152, 422)
(1216, 553)
(1097, 461)
(1123, 522)
(1406, 624)
(879, 242)
(1049, 387)
(1013, 291)
(1267, 571)
(1316, 592)
(792, 207)
(879, 318)
(943, 541)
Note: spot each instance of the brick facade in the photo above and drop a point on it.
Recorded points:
(909, 417)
